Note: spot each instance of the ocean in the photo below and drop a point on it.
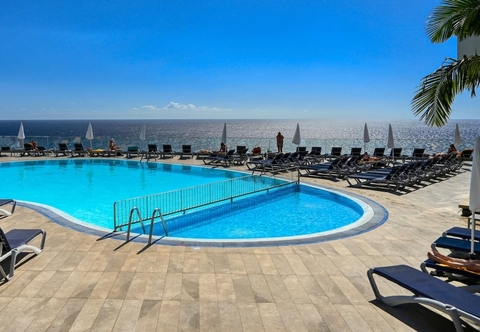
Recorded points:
(206, 134)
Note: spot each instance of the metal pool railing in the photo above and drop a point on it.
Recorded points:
(182, 200)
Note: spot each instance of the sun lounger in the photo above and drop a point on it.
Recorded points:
(265, 165)
(379, 153)
(6, 201)
(79, 150)
(187, 151)
(469, 278)
(15, 242)
(315, 155)
(5, 150)
(458, 246)
(462, 232)
(240, 156)
(28, 150)
(152, 152)
(389, 178)
(167, 151)
(395, 154)
(62, 149)
(224, 160)
(132, 151)
(417, 154)
(429, 291)
(334, 153)
(355, 151)
(327, 169)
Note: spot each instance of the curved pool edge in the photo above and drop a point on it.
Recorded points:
(378, 217)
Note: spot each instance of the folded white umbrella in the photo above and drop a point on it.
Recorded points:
(224, 134)
(458, 138)
(390, 142)
(89, 134)
(21, 133)
(366, 137)
(296, 137)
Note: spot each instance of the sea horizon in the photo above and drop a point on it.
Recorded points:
(206, 133)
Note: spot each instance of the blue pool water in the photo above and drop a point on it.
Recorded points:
(87, 188)
(282, 212)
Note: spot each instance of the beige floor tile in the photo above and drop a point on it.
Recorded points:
(190, 287)
(67, 315)
(70, 284)
(260, 288)
(104, 285)
(225, 288)
(251, 263)
(278, 289)
(155, 286)
(24, 316)
(107, 315)
(87, 285)
(236, 265)
(168, 319)
(173, 286)
(230, 317)
(250, 316)
(121, 285)
(243, 289)
(86, 317)
(270, 317)
(209, 316)
(45, 317)
(207, 287)
(189, 316)
(291, 318)
(128, 316)
(148, 316)
(12, 309)
(311, 317)
(36, 284)
(137, 288)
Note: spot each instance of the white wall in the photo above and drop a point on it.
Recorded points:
(468, 46)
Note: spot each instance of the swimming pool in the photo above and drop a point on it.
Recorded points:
(83, 190)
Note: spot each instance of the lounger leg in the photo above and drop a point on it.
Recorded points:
(5, 212)
(12, 264)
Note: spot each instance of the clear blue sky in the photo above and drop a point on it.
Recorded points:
(343, 59)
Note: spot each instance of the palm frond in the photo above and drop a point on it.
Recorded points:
(460, 18)
(435, 95)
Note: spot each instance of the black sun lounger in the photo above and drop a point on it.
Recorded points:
(5, 201)
(324, 169)
(388, 178)
(16, 241)
(224, 160)
(429, 291)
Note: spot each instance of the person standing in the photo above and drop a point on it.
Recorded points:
(280, 142)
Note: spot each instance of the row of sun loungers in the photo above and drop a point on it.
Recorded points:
(408, 174)
(455, 297)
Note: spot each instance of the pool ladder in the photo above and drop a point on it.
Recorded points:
(152, 221)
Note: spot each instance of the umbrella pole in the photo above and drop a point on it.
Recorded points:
(472, 240)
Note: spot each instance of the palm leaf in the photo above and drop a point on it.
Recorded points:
(436, 93)
(460, 18)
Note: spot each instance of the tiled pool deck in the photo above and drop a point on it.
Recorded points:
(83, 283)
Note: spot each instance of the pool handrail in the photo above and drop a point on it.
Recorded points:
(208, 194)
